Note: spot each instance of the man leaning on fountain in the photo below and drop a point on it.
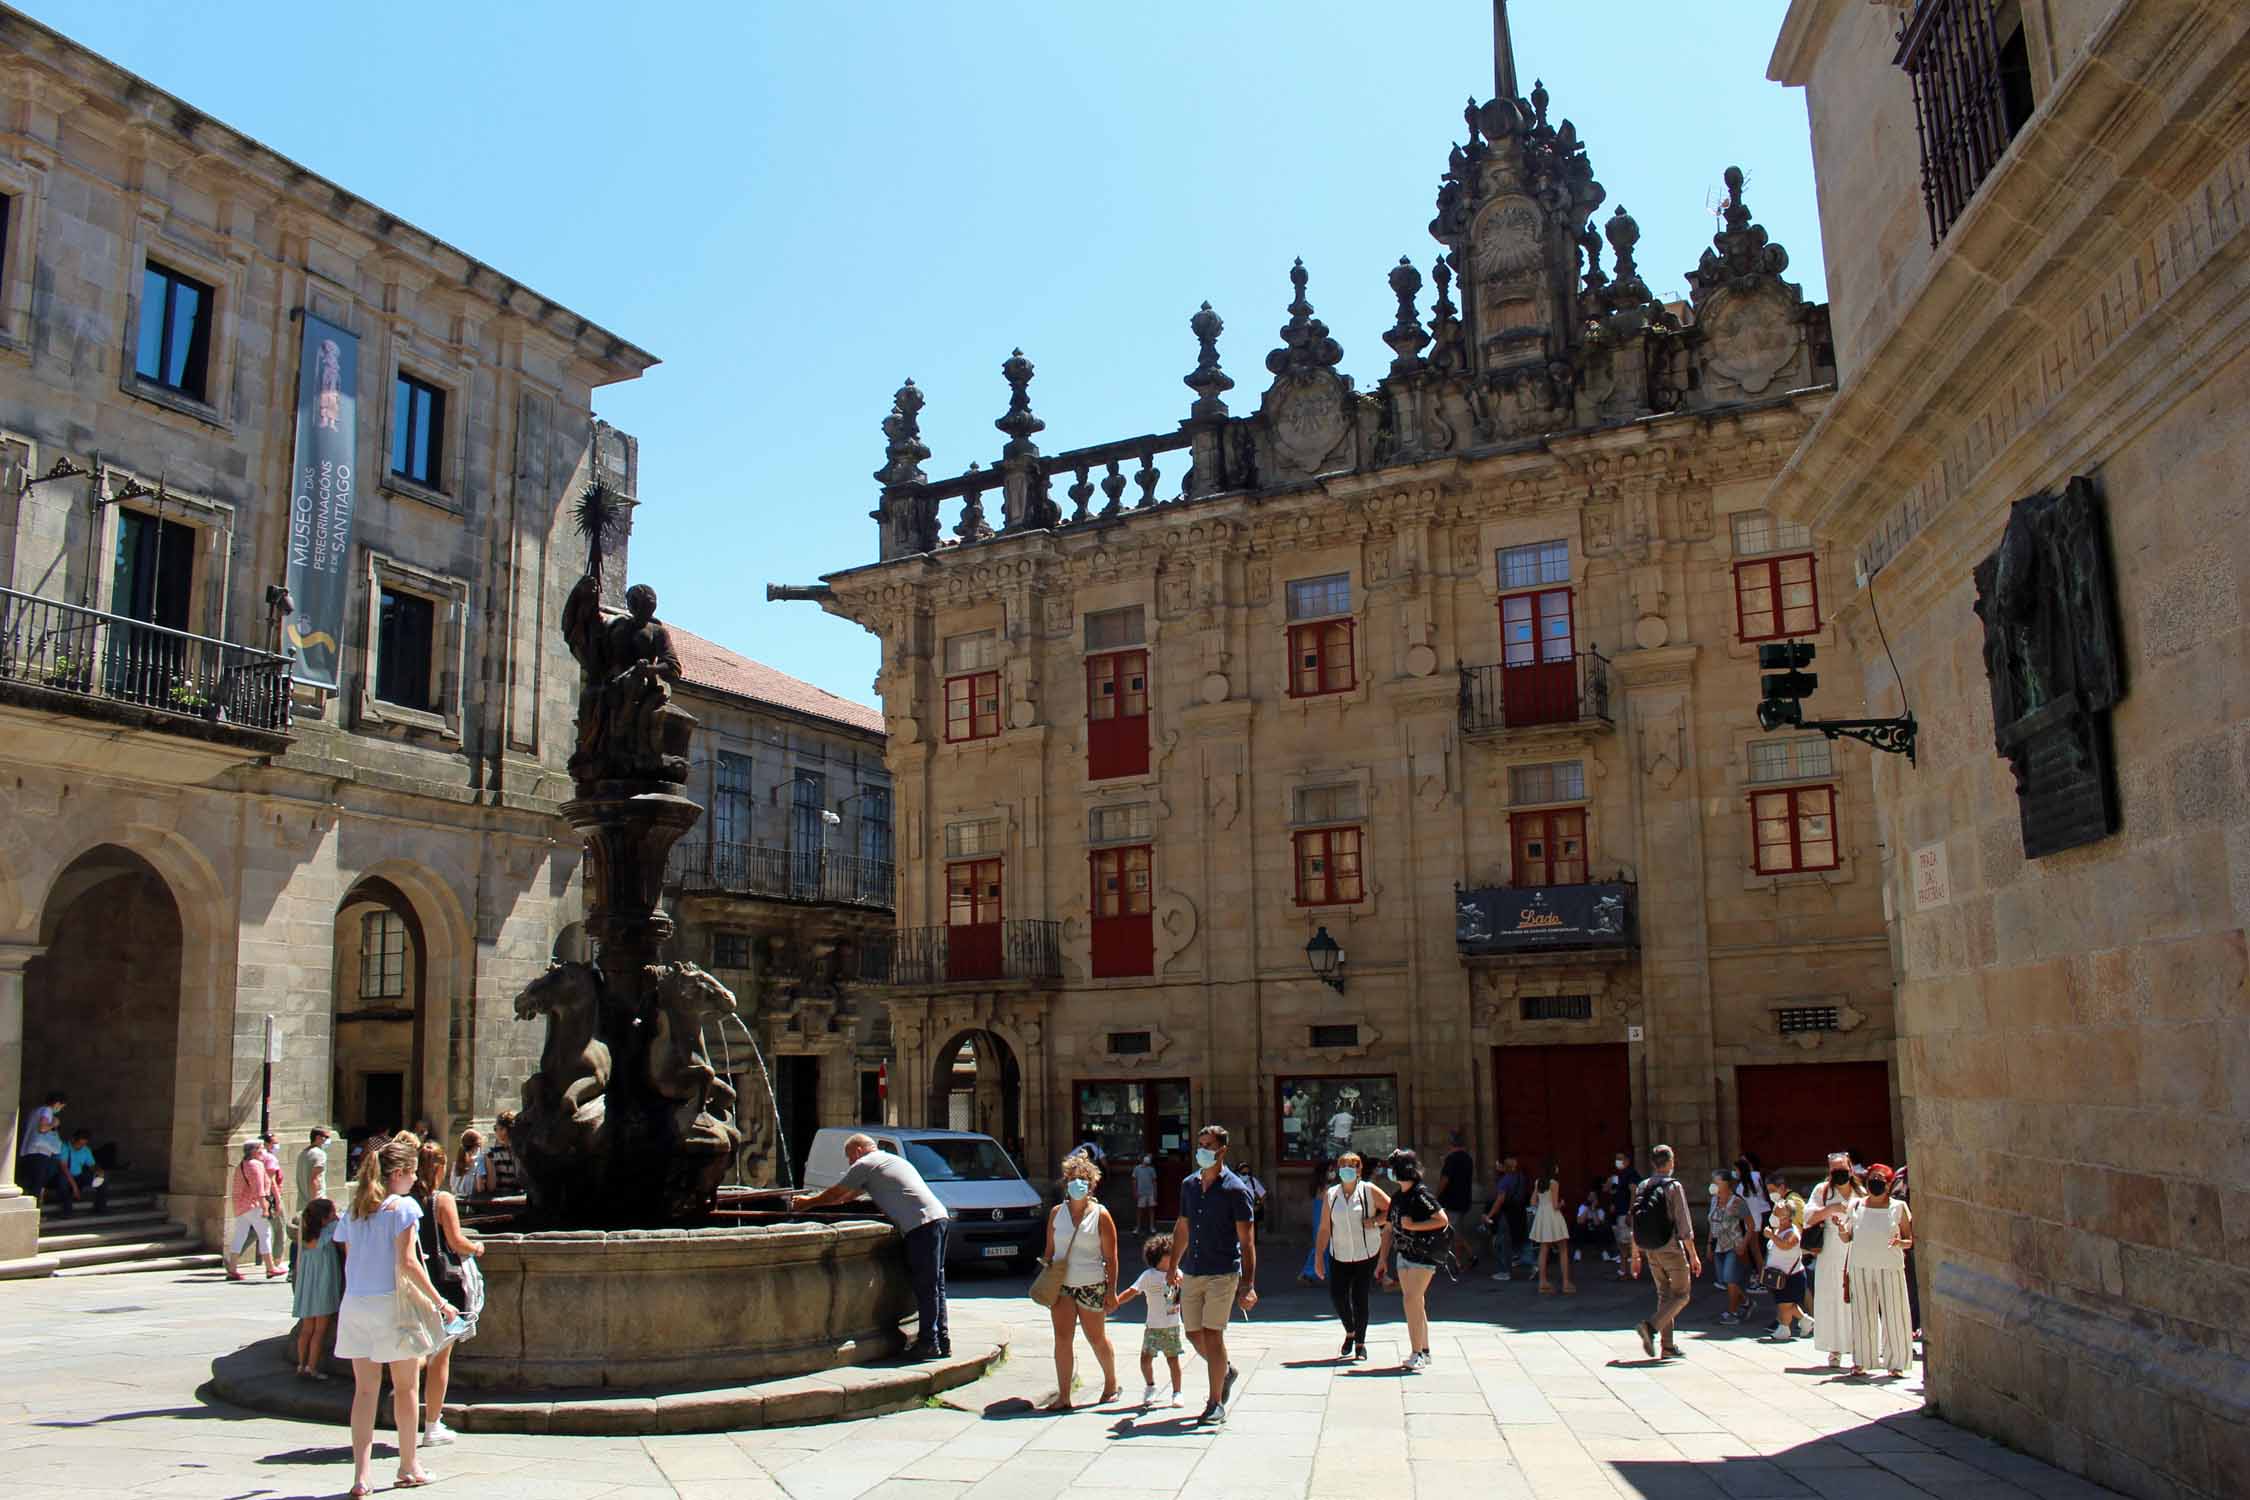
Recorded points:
(906, 1200)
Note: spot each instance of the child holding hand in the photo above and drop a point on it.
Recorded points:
(1785, 1267)
(1161, 1335)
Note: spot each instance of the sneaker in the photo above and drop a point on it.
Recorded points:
(1210, 1408)
(1226, 1391)
(1359, 1351)
(1218, 1414)
(1730, 1318)
(1346, 1351)
(1779, 1335)
(1174, 1403)
(436, 1435)
(1503, 1276)
(1670, 1351)
(1804, 1328)
(1648, 1340)
(1148, 1398)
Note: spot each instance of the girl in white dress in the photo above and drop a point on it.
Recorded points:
(1550, 1230)
(1830, 1210)
(1879, 1237)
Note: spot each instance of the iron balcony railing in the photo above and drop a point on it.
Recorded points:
(114, 659)
(1545, 918)
(714, 866)
(1567, 690)
(1018, 948)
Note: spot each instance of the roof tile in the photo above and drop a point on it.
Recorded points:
(706, 664)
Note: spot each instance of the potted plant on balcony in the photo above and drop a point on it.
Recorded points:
(188, 697)
(64, 672)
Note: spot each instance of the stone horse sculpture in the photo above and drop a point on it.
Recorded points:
(565, 1104)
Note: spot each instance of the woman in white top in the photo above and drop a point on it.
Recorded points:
(1083, 1236)
(1830, 1209)
(378, 1231)
(1878, 1239)
(1550, 1230)
(1785, 1259)
(1351, 1241)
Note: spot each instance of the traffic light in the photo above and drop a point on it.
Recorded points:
(1786, 684)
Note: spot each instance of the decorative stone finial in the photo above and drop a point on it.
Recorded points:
(1018, 422)
(972, 527)
(1624, 233)
(1445, 320)
(1407, 335)
(1741, 252)
(1305, 344)
(1207, 380)
(903, 427)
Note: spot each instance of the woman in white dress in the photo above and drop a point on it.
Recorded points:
(1081, 1231)
(1550, 1228)
(1830, 1210)
(1880, 1235)
(378, 1232)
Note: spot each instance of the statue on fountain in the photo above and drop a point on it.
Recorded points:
(626, 1123)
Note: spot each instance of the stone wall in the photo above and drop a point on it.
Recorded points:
(2074, 1031)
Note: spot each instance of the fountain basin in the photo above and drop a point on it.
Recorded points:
(641, 1308)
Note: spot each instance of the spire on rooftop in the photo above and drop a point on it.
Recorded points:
(1503, 53)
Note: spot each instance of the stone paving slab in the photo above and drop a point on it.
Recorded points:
(1530, 1398)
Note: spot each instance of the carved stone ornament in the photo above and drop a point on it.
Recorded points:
(2051, 658)
(1507, 239)
(1305, 408)
(1753, 335)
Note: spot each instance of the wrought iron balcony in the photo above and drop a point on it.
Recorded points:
(988, 952)
(1532, 919)
(1568, 692)
(711, 867)
(110, 660)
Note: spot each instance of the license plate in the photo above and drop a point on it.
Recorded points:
(996, 1250)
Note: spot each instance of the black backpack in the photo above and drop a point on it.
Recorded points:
(1653, 1228)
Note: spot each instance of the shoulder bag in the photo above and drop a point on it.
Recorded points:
(419, 1320)
(1047, 1286)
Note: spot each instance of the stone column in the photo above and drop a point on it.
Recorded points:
(19, 1216)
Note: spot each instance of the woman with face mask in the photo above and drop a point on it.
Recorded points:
(1351, 1237)
(1417, 1229)
(1833, 1206)
(1081, 1232)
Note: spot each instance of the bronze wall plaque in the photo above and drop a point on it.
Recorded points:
(2051, 656)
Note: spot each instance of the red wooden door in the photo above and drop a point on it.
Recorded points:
(972, 917)
(1794, 1114)
(1571, 1103)
(1117, 715)
(1538, 657)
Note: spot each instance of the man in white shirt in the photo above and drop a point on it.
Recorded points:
(1144, 1197)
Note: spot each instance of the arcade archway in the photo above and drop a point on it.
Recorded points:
(977, 1084)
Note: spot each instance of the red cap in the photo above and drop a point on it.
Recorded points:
(1879, 1170)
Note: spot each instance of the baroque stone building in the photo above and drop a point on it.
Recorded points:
(784, 892)
(199, 845)
(2034, 468)
(1445, 687)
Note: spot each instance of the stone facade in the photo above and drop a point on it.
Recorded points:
(1473, 650)
(785, 907)
(234, 863)
(2074, 1038)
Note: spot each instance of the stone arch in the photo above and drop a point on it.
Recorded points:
(209, 1088)
(976, 1083)
(435, 1037)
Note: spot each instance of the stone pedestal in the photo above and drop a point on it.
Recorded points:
(19, 1216)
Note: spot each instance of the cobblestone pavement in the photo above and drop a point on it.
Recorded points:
(1529, 1396)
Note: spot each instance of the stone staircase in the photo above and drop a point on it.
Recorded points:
(136, 1234)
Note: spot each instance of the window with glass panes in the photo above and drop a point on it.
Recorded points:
(1321, 644)
(731, 798)
(972, 892)
(1776, 591)
(1535, 605)
(173, 348)
(1117, 714)
(1328, 860)
(1123, 936)
(1806, 757)
(382, 956)
(1128, 824)
(417, 430)
(1549, 781)
(1793, 828)
(405, 632)
(972, 686)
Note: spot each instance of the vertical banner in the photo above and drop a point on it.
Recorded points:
(321, 499)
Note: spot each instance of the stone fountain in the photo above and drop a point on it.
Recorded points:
(626, 1269)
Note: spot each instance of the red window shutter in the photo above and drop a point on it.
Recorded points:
(1117, 715)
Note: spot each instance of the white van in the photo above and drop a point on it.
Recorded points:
(997, 1216)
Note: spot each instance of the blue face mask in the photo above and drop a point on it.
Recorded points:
(1079, 1187)
(1347, 1175)
(1205, 1157)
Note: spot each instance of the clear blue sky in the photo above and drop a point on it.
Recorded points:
(796, 205)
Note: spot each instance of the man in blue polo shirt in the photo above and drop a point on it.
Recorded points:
(1216, 1264)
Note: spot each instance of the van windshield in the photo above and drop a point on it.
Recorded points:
(970, 1159)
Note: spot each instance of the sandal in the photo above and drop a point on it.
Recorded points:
(359, 1492)
(1058, 1405)
(1110, 1395)
(413, 1481)
(1546, 1290)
